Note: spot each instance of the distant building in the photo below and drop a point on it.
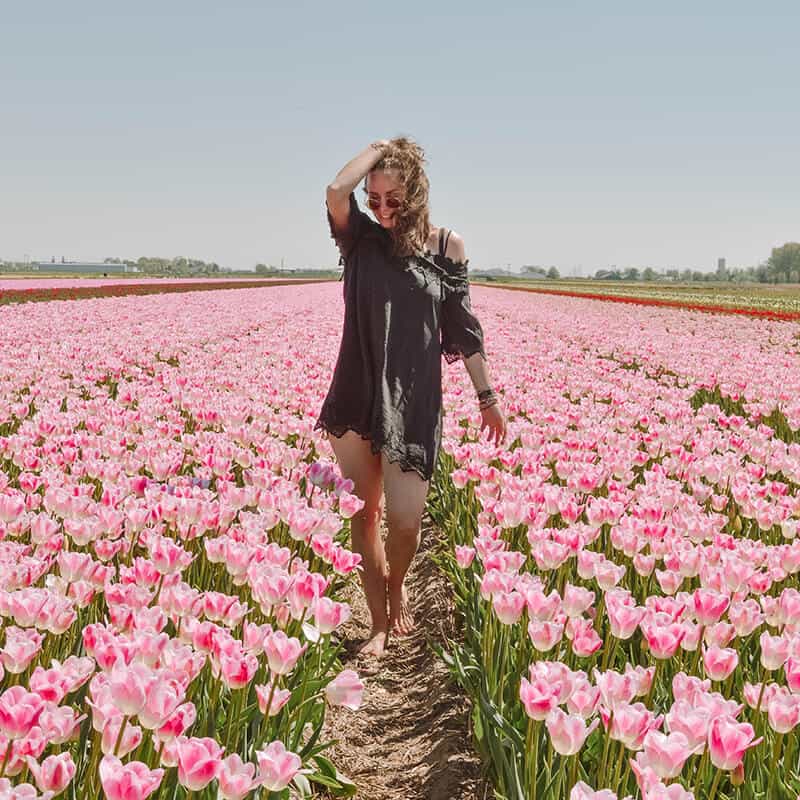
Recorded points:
(721, 266)
(87, 267)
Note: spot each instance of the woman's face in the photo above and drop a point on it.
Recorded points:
(385, 196)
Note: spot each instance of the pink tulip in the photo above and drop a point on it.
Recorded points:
(662, 640)
(178, 723)
(783, 712)
(615, 688)
(745, 616)
(585, 640)
(728, 740)
(131, 781)
(329, 615)
(277, 766)
(607, 574)
(129, 686)
(623, 619)
(51, 684)
(719, 662)
(642, 677)
(110, 742)
(629, 723)
(60, 724)
(545, 635)
(349, 504)
(792, 670)
(11, 507)
(508, 606)
(346, 689)
(279, 699)
(774, 651)
(54, 774)
(464, 555)
(757, 695)
(19, 711)
(21, 647)
(283, 652)
(162, 699)
(539, 697)
(199, 761)
(238, 668)
(568, 732)
(236, 779)
(576, 600)
(687, 687)
(672, 792)
(691, 721)
(581, 791)
(709, 606)
(666, 754)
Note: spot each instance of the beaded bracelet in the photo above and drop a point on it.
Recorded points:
(486, 399)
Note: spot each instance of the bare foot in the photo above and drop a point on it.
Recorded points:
(401, 618)
(374, 646)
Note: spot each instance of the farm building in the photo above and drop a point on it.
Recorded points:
(88, 267)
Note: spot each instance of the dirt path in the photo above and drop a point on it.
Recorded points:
(409, 740)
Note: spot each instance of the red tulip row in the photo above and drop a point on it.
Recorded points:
(138, 289)
(641, 300)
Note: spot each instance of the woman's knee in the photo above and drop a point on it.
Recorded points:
(371, 514)
(403, 523)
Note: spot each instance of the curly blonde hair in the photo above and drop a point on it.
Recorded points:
(413, 225)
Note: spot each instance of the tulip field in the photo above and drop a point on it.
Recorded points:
(627, 569)
(174, 543)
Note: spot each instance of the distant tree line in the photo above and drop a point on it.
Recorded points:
(172, 266)
(783, 266)
(541, 272)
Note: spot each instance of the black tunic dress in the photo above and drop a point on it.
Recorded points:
(401, 315)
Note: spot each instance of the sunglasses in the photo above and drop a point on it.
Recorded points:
(391, 202)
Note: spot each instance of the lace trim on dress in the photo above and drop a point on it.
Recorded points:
(395, 452)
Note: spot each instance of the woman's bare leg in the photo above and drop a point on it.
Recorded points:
(357, 462)
(406, 493)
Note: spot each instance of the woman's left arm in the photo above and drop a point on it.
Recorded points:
(492, 418)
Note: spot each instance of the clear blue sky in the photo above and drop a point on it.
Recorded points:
(563, 133)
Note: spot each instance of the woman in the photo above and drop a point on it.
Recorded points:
(406, 304)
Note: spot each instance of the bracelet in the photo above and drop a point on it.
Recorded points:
(487, 398)
(377, 146)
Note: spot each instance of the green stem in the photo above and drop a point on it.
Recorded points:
(119, 736)
(604, 762)
(5, 758)
(700, 768)
(715, 784)
(573, 774)
(618, 767)
(698, 652)
(534, 728)
(773, 767)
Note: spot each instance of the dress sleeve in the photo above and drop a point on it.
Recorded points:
(347, 238)
(462, 334)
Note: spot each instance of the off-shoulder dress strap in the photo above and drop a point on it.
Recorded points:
(443, 241)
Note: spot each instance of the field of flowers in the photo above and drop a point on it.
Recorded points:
(171, 550)
(764, 300)
(28, 290)
(627, 570)
(173, 543)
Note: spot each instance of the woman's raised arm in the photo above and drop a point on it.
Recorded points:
(337, 194)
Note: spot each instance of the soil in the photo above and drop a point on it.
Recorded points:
(410, 738)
